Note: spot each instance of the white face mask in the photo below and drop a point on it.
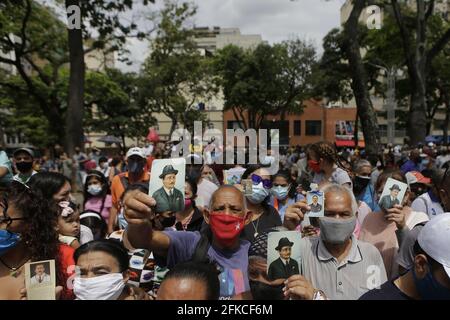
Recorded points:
(95, 189)
(107, 287)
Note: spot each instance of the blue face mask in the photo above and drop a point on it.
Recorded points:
(280, 192)
(259, 193)
(8, 240)
(429, 288)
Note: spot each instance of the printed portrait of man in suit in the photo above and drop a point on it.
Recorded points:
(284, 266)
(390, 200)
(168, 198)
(40, 275)
(315, 205)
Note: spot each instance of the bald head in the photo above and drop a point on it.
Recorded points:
(228, 199)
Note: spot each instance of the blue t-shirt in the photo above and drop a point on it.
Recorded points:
(6, 163)
(233, 264)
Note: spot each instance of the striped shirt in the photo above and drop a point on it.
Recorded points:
(361, 271)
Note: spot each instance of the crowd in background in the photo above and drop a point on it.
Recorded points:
(94, 208)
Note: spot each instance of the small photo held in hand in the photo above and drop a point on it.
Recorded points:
(283, 254)
(315, 200)
(247, 184)
(40, 280)
(167, 184)
(393, 193)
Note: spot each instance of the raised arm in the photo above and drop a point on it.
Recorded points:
(139, 233)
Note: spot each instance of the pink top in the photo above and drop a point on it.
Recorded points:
(95, 203)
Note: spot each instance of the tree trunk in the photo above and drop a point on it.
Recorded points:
(74, 118)
(364, 106)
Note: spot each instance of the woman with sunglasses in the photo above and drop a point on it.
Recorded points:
(28, 233)
(264, 215)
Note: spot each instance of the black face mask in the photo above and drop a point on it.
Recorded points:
(263, 291)
(24, 166)
(359, 184)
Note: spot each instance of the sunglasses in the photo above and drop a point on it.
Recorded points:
(267, 183)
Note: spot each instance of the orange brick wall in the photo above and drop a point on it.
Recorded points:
(313, 111)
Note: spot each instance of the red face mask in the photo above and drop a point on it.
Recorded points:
(314, 165)
(187, 203)
(226, 227)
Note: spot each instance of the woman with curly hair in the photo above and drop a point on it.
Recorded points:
(27, 234)
(326, 164)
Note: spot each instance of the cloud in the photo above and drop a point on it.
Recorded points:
(274, 20)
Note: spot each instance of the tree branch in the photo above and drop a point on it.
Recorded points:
(438, 46)
(40, 73)
(430, 10)
(24, 26)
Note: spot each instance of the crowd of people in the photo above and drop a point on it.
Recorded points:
(113, 245)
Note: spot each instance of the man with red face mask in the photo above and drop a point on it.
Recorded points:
(226, 217)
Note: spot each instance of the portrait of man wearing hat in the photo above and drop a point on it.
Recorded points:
(168, 198)
(284, 266)
(390, 200)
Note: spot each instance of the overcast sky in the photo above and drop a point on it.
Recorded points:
(274, 20)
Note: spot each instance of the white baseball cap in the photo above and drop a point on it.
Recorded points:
(136, 152)
(434, 239)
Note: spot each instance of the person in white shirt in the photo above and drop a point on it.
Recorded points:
(40, 276)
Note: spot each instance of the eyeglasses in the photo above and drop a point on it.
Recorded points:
(5, 218)
(267, 183)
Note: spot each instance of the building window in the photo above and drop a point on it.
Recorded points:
(297, 127)
(313, 128)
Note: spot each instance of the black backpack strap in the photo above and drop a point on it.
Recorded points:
(124, 181)
(201, 250)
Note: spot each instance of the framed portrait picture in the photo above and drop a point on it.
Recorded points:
(167, 184)
(40, 280)
(393, 193)
(316, 200)
(283, 254)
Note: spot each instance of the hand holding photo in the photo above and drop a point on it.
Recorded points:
(283, 254)
(248, 186)
(167, 184)
(393, 194)
(40, 280)
(316, 200)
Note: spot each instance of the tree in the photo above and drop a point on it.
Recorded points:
(419, 54)
(115, 111)
(265, 81)
(37, 41)
(175, 77)
(104, 17)
(360, 88)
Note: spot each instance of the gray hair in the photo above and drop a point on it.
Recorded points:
(333, 187)
(360, 164)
